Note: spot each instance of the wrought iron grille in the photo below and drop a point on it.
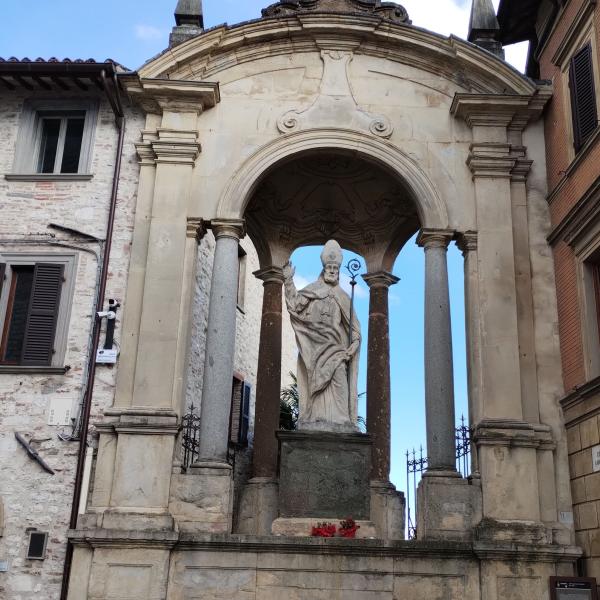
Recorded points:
(190, 439)
(416, 464)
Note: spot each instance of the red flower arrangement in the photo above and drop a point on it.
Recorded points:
(348, 529)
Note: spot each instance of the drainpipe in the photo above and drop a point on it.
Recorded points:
(84, 419)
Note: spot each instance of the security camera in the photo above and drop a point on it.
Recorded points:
(107, 314)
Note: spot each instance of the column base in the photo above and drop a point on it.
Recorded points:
(259, 506)
(447, 505)
(202, 499)
(387, 510)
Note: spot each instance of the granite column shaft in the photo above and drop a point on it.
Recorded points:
(439, 376)
(268, 384)
(220, 343)
(379, 411)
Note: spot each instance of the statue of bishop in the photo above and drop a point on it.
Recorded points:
(328, 353)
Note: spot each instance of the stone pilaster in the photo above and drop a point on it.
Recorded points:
(439, 376)
(379, 410)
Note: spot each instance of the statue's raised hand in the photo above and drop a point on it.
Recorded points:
(288, 271)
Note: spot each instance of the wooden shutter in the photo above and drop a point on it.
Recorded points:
(2, 275)
(583, 96)
(42, 317)
(245, 413)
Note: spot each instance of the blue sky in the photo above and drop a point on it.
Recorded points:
(132, 31)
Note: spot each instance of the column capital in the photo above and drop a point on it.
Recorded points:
(270, 275)
(435, 238)
(467, 242)
(380, 279)
(196, 228)
(228, 228)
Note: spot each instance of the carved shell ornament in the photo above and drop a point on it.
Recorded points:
(387, 10)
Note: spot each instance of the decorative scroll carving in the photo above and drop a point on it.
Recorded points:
(387, 10)
(335, 98)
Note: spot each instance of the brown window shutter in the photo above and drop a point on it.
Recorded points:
(245, 414)
(2, 275)
(583, 96)
(38, 343)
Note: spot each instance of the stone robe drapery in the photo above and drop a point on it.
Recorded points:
(327, 384)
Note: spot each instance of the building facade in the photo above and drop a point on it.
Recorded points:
(564, 50)
(237, 145)
(56, 211)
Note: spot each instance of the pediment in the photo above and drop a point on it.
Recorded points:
(387, 10)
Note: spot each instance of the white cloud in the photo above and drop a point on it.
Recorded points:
(148, 33)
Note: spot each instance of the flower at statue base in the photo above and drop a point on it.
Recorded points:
(348, 528)
(326, 530)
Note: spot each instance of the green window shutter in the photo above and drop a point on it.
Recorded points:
(42, 317)
(583, 96)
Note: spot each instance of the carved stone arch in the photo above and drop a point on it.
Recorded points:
(431, 208)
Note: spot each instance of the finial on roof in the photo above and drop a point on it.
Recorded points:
(484, 28)
(189, 20)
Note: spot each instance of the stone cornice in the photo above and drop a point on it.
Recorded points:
(196, 228)
(511, 433)
(506, 551)
(175, 146)
(380, 279)
(205, 56)
(467, 241)
(491, 160)
(270, 275)
(501, 110)
(160, 95)
(231, 228)
(581, 393)
(585, 212)
(435, 238)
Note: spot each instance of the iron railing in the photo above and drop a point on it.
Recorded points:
(190, 437)
(416, 464)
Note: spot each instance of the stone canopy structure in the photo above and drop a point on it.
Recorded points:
(332, 119)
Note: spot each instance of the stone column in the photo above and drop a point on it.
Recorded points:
(268, 383)
(220, 344)
(439, 376)
(378, 372)
(259, 499)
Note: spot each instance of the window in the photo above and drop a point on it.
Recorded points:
(242, 259)
(35, 294)
(590, 306)
(55, 138)
(583, 96)
(239, 421)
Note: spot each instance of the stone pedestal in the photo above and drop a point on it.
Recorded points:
(447, 507)
(258, 506)
(387, 510)
(324, 475)
(202, 499)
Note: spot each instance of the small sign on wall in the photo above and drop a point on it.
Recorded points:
(573, 588)
(596, 458)
(59, 411)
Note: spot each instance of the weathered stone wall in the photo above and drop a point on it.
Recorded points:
(31, 497)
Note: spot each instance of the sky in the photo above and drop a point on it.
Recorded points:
(133, 31)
